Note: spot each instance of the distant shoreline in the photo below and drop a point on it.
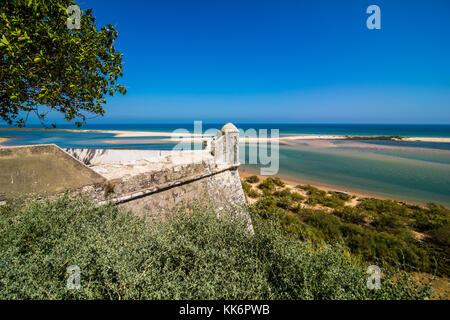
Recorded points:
(3, 139)
(287, 138)
(245, 172)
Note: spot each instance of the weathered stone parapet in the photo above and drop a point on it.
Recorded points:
(146, 182)
(225, 146)
(130, 188)
(42, 170)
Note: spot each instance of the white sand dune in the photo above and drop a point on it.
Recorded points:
(179, 136)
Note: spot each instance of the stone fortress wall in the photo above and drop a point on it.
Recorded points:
(151, 182)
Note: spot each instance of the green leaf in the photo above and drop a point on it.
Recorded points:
(83, 61)
(4, 40)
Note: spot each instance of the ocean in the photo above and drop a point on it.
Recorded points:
(418, 172)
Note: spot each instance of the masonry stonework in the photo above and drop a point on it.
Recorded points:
(153, 183)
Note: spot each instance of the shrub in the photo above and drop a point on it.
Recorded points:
(267, 185)
(328, 224)
(382, 206)
(252, 179)
(278, 182)
(382, 246)
(296, 208)
(434, 217)
(293, 225)
(266, 207)
(441, 236)
(297, 197)
(351, 214)
(284, 202)
(320, 197)
(246, 186)
(271, 183)
(340, 195)
(195, 256)
(311, 190)
(348, 230)
(252, 193)
(386, 220)
(283, 193)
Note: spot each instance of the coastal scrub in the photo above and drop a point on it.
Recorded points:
(192, 256)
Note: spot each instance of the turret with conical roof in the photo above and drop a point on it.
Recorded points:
(229, 127)
(225, 146)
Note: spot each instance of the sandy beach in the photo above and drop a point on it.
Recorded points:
(290, 182)
(2, 140)
(178, 135)
(427, 139)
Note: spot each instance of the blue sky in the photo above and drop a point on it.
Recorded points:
(280, 61)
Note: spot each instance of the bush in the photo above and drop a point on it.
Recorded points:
(267, 207)
(252, 179)
(386, 221)
(385, 247)
(317, 196)
(340, 195)
(267, 185)
(284, 202)
(246, 186)
(311, 190)
(441, 236)
(196, 256)
(252, 193)
(328, 224)
(321, 197)
(378, 206)
(351, 214)
(278, 182)
(283, 193)
(434, 217)
(293, 225)
(297, 197)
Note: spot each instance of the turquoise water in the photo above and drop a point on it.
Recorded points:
(414, 130)
(416, 176)
(406, 170)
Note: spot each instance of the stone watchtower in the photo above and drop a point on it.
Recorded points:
(225, 146)
(146, 182)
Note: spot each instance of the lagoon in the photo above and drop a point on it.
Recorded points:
(416, 172)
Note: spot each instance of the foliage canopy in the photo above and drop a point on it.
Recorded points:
(46, 66)
(192, 256)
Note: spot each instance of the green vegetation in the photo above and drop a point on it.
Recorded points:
(317, 196)
(385, 232)
(191, 256)
(267, 184)
(252, 179)
(270, 184)
(46, 66)
(246, 186)
(373, 138)
(278, 182)
(252, 193)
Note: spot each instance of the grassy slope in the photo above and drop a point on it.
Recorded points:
(385, 232)
(191, 257)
